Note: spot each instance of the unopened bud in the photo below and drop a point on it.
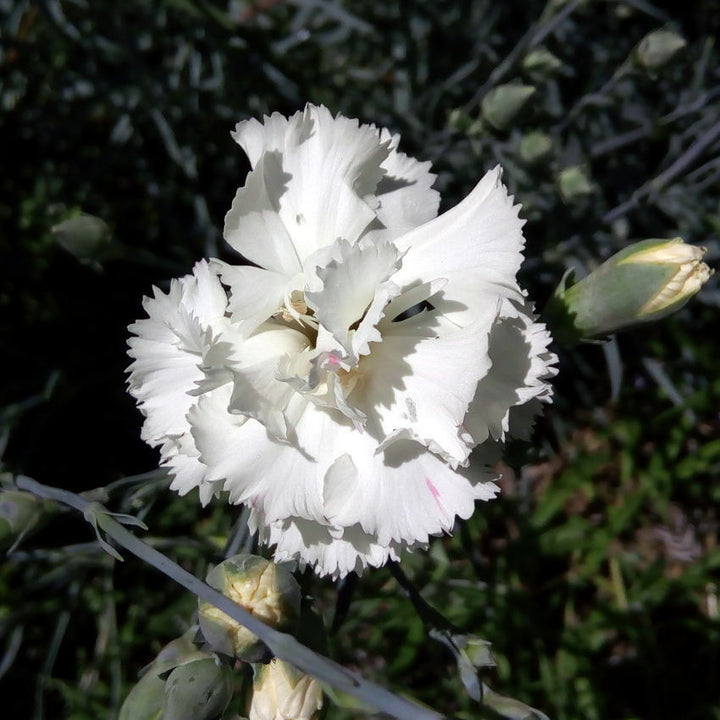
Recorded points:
(658, 48)
(282, 692)
(198, 690)
(644, 282)
(478, 651)
(85, 236)
(503, 103)
(541, 63)
(535, 146)
(146, 699)
(574, 183)
(20, 513)
(266, 590)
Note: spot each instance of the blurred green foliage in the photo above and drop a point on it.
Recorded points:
(595, 575)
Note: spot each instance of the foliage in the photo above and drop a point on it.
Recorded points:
(595, 576)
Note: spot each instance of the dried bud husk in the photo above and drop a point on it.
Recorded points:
(282, 692)
(266, 590)
(502, 104)
(198, 690)
(658, 48)
(644, 282)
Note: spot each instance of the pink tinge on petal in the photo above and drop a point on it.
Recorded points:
(435, 492)
(436, 495)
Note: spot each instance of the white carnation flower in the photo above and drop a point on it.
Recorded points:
(338, 384)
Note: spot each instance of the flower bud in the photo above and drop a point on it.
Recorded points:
(658, 48)
(541, 63)
(268, 591)
(282, 692)
(644, 282)
(20, 512)
(145, 700)
(85, 236)
(198, 690)
(478, 651)
(503, 103)
(574, 183)
(535, 146)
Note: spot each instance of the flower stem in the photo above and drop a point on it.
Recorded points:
(282, 645)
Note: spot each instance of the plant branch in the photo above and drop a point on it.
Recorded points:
(282, 645)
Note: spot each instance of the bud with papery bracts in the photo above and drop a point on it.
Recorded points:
(644, 282)
(282, 692)
(266, 590)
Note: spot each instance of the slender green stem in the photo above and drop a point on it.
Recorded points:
(281, 645)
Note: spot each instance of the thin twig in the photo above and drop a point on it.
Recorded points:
(664, 178)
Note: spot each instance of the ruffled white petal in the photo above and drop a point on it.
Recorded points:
(330, 165)
(254, 226)
(258, 392)
(476, 247)
(405, 198)
(313, 544)
(521, 370)
(355, 290)
(168, 350)
(420, 380)
(181, 458)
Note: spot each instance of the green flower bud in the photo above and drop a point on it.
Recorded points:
(535, 146)
(268, 591)
(478, 651)
(503, 103)
(574, 183)
(458, 120)
(20, 513)
(541, 63)
(658, 48)
(282, 692)
(644, 282)
(198, 690)
(146, 699)
(85, 236)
